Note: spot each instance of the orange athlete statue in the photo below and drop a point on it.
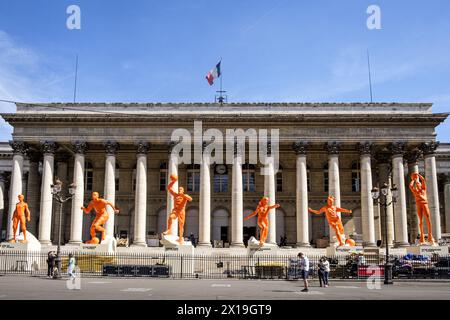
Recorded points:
(101, 216)
(419, 189)
(178, 211)
(21, 214)
(334, 221)
(262, 210)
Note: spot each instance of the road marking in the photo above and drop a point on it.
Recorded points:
(309, 292)
(136, 289)
(346, 287)
(220, 285)
(99, 282)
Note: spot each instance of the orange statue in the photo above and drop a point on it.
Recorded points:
(262, 210)
(419, 189)
(101, 216)
(178, 211)
(334, 221)
(21, 214)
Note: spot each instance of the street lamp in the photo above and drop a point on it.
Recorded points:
(56, 191)
(384, 202)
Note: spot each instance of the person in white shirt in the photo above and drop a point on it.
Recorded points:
(304, 267)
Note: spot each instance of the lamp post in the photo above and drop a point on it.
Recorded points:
(376, 196)
(56, 191)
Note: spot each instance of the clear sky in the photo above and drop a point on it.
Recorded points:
(286, 50)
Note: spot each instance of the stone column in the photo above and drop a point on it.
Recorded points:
(367, 215)
(429, 149)
(269, 191)
(2, 199)
(172, 169)
(334, 188)
(33, 191)
(140, 207)
(61, 173)
(45, 220)
(447, 201)
(384, 173)
(111, 148)
(76, 223)
(412, 158)
(205, 201)
(19, 150)
(302, 216)
(237, 224)
(400, 212)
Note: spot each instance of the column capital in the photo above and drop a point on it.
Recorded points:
(19, 147)
(429, 148)
(413, 156)
(397, 148)
(111, 147)
(49, 147)
(80, 147)
(142, 147)
(365, 148)
(333, 148)
(300, 147)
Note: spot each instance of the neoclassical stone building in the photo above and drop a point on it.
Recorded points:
(123, 151)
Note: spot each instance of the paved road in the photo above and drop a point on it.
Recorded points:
(14, 287)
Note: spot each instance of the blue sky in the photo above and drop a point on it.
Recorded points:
(287, 50)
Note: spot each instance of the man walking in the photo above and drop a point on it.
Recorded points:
(304, 268)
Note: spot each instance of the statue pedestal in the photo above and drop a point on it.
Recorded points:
(428, 250)
(21, 256)
(179, 257)
(332, 250)
(254, 247)
(109, 245)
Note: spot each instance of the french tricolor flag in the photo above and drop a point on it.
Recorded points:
(213, 74)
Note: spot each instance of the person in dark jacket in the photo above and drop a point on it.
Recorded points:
(51, 263)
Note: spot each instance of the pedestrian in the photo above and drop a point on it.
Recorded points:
(304, 268)
(192, 238)
(71, 267)
(50, 263)
(324, 271)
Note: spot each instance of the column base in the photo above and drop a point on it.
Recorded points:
(237, 245)
(74, 242)
(369, 244)
(138, 244)
(302, 245)
(401, 244)
(204, 244)
(45, 242)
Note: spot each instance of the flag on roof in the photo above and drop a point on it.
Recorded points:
(213, 74)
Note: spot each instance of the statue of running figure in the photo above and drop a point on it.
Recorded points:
(178, 211)
(101, 216)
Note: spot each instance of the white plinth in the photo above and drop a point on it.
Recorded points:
(253, 246)
(179, 257)
(171, 241)
(428, 250)
(21, 256)
(332, 250)
(109, 245)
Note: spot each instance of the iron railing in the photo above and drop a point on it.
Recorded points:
(172, 265)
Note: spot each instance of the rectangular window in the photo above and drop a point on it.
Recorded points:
(279, 182)
(249, 181)
(220, 183)
(193, 181)
(162, 180)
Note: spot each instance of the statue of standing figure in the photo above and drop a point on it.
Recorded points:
(262, 210)
(21, 214)
(334, 221)
(101, 216)
(179, 209)
(419, 189)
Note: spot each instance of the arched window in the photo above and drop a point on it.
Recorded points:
(193, 178)
(88, 177)
(280, 179)
(325, 178)
(220, 178)
(163, 176)
(248, 177)
(356, 177)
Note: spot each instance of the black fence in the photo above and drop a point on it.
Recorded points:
(170, 265)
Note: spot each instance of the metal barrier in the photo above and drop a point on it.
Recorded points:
(172, 265)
